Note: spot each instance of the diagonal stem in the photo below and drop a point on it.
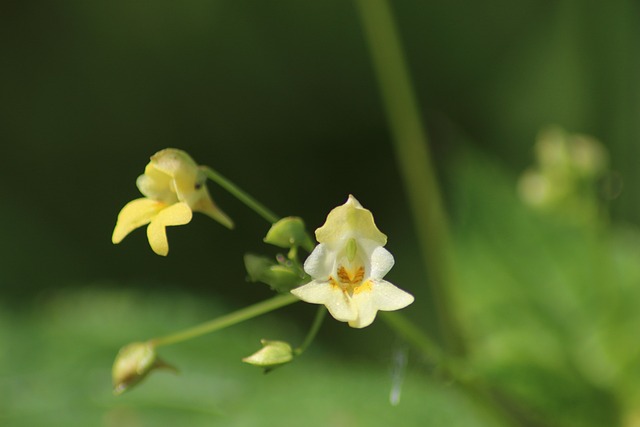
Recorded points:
(241, 195)
(226, 320)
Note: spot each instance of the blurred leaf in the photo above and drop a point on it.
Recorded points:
(58, 372)
(542, 300)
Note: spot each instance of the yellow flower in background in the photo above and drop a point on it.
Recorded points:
(174, 187)
(348, 267)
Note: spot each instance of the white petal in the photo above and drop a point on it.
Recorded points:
(382, 296)
(381, 262)
(337, 302)
(320, 262)
(388, 297)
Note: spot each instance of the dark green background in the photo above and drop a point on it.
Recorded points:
(279, 97)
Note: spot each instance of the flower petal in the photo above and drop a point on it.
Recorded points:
(350, 220)
(186, 175)
(156, 185)
(319, 263)
(202, 202)
(337, 302)
(172, 176)
(135, 214)
(381, 262)
(177, 214)
(173, 162)
(381, 295)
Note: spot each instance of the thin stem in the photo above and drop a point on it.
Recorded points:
(226, 320)
(412, 152)
(248, 200)
(245, 198)
(315, 327)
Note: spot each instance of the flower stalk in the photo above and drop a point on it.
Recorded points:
(226, 320)
(241, 195)
(311, 335)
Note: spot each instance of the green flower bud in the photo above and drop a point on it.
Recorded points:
(271, 355)
(133, 363)
(280, 277)
(287, 233)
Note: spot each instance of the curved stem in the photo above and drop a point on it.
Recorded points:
(241, 195)
(315, 327)
(226, 320)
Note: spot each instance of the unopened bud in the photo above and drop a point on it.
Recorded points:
(133, 363)
(271, 355)
(280, 277)
(287, 233)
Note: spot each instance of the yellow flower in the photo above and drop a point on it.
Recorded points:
(348, 267)
(174, 187)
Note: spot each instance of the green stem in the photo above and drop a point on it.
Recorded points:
(412, 152)
(245, 198)
(252, 203)
(226, 320)
(315, 327)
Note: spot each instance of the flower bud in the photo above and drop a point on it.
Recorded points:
(287, 233)
(271, 355)
(280, 277)
(133, 363)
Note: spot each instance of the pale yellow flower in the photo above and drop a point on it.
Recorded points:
(348, 267)
(174, 187)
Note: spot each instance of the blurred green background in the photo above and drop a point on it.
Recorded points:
(280, 97)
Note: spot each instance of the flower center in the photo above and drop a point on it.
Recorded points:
(350, 280)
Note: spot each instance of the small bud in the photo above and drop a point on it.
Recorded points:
(281, 277)
(287, 233)
(271, 355)
(133, 363)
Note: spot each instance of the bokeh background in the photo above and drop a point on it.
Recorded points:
(281, 98)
